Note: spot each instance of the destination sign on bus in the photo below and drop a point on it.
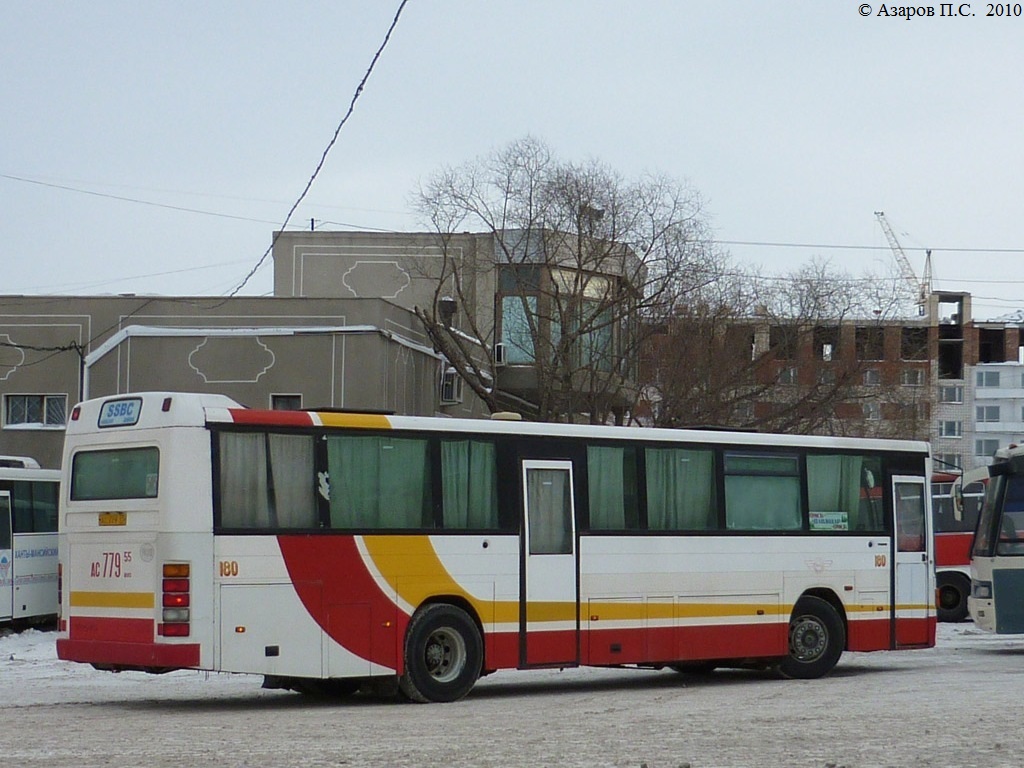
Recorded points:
(121, 413)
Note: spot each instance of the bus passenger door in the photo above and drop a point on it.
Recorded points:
(6, 558)
(914, 598)
(549, 614)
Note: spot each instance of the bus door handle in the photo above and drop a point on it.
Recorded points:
(879, 543)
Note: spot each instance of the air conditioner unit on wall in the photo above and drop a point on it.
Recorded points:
(499, 354)
(451, 387)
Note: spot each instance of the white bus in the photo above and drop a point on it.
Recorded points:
(328, 550)
(28, 540)
(997, 558)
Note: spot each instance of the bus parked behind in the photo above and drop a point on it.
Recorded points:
(954, 532)
(997, 558)
(28, 540)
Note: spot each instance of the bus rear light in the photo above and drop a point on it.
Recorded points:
(176, 615)
(176, 599)
(76, 412)
(60, 590)
(173, 630)
(166, 405)
(175, 585)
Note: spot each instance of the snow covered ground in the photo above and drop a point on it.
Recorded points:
(959, 704)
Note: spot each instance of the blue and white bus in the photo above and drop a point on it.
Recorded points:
(28, 540)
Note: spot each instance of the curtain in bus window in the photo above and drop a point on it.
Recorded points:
(292, 478)
(606, 486)
(680, 489)
(469, 487)
(379, 482)
(833, 491)
(762, 493)
(267, 481)
(243, 481)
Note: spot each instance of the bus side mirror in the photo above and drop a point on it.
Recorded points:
(969, 478)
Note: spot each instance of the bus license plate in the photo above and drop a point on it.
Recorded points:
(113, 518)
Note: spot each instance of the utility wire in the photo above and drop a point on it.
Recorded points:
(323, 157)
(133, 199)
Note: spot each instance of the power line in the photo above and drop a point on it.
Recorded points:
(323, 157)
(134, 200)
(66, 185)
(848, 247)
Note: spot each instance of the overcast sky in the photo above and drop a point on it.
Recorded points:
(154, 147)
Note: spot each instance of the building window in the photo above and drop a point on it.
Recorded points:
(872, 377)
(912, 377)
(826, 342)
(782, 341)
(286, 402)
(986, 414)
(987, 379)
(948, 462)
(985, 447)
(950, 428)
(870, 343)
(787, 375)
(517, 313)
(914, 343)
(45, 410)
(873, 411)
(951, 394)
(519, 286)
(827, 377)
(451, 387)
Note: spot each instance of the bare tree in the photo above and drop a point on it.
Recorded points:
(577, 258)
(817, 351)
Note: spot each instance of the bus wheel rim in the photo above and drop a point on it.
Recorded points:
(445, 654)
(808, 639)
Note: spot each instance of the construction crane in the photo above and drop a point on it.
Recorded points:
(920, 289)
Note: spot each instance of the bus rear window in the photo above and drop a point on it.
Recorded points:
(125, 473)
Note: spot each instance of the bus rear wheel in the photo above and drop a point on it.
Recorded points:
(443, 654)
(953, 591)
(816, 639)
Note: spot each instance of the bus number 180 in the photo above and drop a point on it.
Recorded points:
(228, 567)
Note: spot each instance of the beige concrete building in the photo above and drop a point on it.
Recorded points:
(263, 352)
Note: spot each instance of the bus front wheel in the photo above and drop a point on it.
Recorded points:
(953, 591)
(816, 639)
(443, 654)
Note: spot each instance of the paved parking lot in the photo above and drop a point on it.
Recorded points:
(955, 705)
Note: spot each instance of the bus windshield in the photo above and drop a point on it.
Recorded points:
(1001, 526)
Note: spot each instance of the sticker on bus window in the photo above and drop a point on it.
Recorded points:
(830, 521)
(121, 413)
